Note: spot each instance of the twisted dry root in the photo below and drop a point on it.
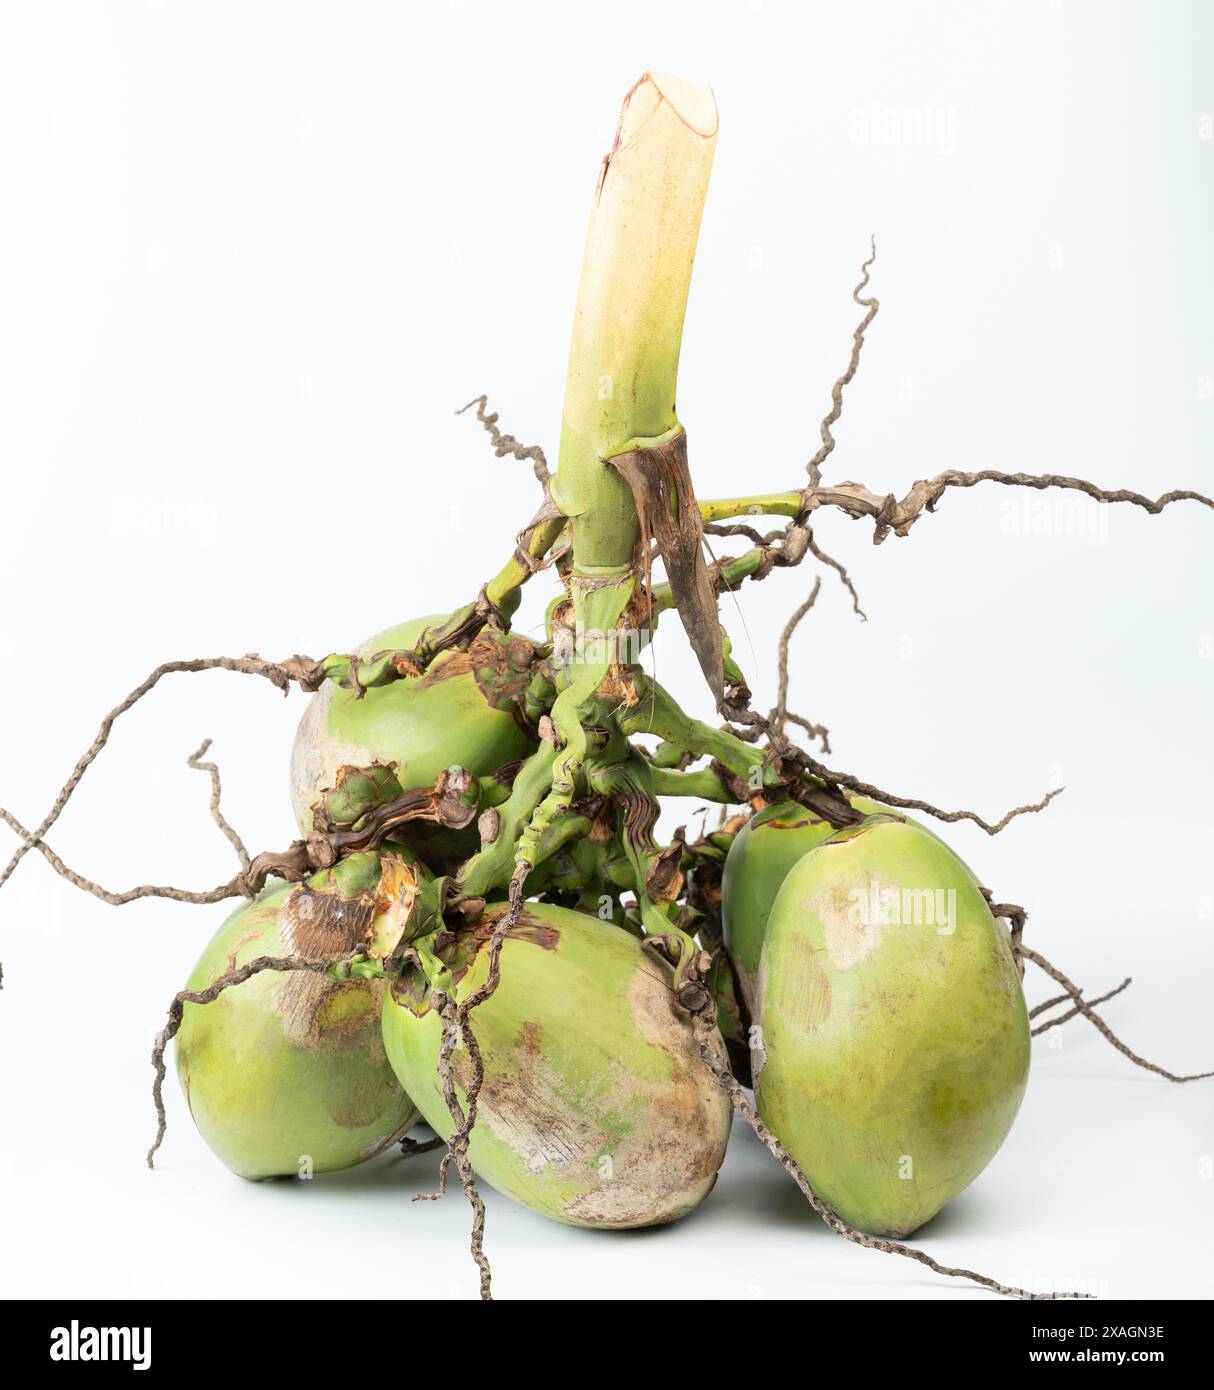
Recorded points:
(228, 890)
(305, 672)
(195, 761)
(728, 1083)
(781, 715)
(208, 996)
(844, 578)
(743, 714)
(1072, 1013)
(890, 514)
(872, 304)
(410, 1147)
(456, 1028)
(457, 1145)
(504, 444)
(843, 779)
(292, 864)
(789, 546)
(1083, 1007)
(1017, 917)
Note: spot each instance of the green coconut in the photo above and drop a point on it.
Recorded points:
(893, 1051)
(286, 1073)
(762, 853)
(596, 1108)
(464, 712)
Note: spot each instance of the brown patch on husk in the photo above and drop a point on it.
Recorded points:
(317, 925)
(669, 515)
(674, 1165)
(320, 924)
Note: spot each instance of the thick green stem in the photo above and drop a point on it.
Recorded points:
(628, 325)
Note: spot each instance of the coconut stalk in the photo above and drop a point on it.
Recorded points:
(622, 474)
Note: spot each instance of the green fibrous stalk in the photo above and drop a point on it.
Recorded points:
(628, 325)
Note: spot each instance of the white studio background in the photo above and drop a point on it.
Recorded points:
(252, 257)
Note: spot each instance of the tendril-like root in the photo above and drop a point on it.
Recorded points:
(837, 565)
(208, 996)
(506, 444)
(292, 864)
(457, 1028)
(872, 304)
(409, 1148)
(890, 514)
(843, 779)
(1072, 1013)
(781, 709)
(729, 1084)
(300, 669)
(1083, 1007)
(195, 761)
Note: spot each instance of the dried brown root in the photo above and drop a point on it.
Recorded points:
(292, 864)
(1017, 917)
(447, 803)
(208, 996)
(195, 761)
(411, 1147)
(457, 1145)
(504, 444)
(872, 304)
(843, 779)
(743, 715)
(889, 514)
(729, 1084)
(1072, 1013)
(819, 554)
(1083, 1007)
(812, 730)
(780, 716)
(789, 546)
(457, 1028)
(300, 669)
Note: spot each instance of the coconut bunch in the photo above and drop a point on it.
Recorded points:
(478, 923)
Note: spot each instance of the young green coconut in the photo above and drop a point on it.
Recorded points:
(595, 1108)
(285, 1073)
(467, 708)
(893, 1051)
(771, 842)
(762, 853)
